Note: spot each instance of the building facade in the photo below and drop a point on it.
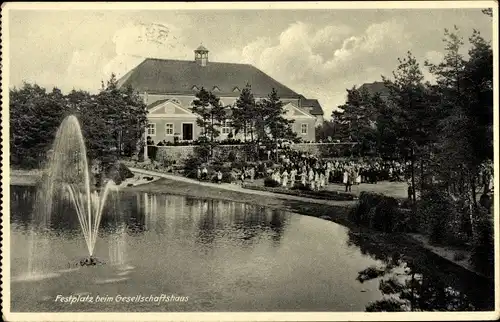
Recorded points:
(168, 88)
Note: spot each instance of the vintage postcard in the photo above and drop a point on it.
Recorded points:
(320, 161)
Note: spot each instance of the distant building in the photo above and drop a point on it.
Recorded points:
(314, 108)
(376, 87)
(168, 87)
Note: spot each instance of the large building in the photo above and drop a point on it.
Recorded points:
(168, 88)
(376, 87)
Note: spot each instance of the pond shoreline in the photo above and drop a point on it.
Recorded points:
(336, 211)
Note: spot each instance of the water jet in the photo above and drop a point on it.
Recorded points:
(67, 177)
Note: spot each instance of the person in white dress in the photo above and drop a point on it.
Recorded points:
(284, 179)
(316, 180)
(293, 174)
(311, 175)
(358, 176)
(303, 176)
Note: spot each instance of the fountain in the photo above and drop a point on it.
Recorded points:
(67, 178)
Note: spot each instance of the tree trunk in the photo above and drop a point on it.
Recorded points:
(473, 189)
(422, 182)
(486, 182)
(412, 168)
(212, 136)
(412, 300)
(120, 141)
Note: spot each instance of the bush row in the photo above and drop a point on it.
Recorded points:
(273, 186)
(380, 212)
(436, 215)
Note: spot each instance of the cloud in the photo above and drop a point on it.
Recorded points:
(322, 63)
(132, 44)
(434, 57)
(137, 41)
(317, 62)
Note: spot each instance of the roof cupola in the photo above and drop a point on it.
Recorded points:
(201, 55)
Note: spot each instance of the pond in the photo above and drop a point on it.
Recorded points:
(210, 255)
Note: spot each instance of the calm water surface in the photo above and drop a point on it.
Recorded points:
(223, 256)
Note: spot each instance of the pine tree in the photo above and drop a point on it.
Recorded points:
(134, 121)
(211, 115)
(407, 94)
(466, 105)
(272, 123)
(243, 113)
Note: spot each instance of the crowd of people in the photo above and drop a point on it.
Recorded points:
(295, 167)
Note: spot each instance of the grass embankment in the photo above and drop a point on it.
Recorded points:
(322, 194)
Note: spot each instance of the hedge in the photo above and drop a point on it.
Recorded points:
(381, 213)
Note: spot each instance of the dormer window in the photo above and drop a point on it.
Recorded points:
(215, 89)
(195, 88)
(236, 89)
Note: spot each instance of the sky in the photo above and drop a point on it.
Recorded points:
(317, 53)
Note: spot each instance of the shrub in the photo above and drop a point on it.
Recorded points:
(268, 182)
(459, 256)
(367, 201)
(227, 177)
(384, 215)
(118, 172)
(302, 187)
(483, 255)
(437, 217)
(231, 157)
(191, 166)
(381, 213)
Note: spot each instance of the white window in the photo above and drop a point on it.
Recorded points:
(303, 128)
(215, 89)
(169, 129)
(236, 89)
(226, 127)
(151, 129)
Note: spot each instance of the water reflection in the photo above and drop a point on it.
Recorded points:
(411, 280)
(239, 257)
